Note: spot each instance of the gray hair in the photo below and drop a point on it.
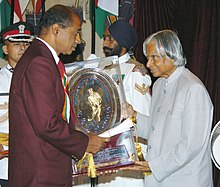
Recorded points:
(167, 41)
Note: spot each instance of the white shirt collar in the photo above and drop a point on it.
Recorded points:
(8, 66)
(55, 56)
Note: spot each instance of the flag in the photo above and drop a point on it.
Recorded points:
(109, 7)
(19, 8)
(38, 5)
(103, 9)
(5, 11)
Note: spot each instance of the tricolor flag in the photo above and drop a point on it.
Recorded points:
(19, 8)
(37, 5)
(109, 7)
(104, 8)
(5, 13)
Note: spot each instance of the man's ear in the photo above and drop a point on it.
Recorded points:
(55, 29)
(5, 49)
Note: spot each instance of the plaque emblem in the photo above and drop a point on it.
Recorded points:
(95, 100)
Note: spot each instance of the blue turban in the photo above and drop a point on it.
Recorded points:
(123, 33)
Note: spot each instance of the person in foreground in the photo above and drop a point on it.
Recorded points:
(43, 139)
(181, 114)
(16, 38)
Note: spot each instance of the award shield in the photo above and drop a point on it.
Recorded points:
(96, 100)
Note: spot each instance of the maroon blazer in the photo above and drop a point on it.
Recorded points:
(41, 143)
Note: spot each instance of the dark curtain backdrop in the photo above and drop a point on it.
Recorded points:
(197, 23)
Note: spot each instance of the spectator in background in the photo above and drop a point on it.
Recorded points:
(16, 38)
(119, 38)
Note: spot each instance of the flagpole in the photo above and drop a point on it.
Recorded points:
(12, 12)
(93, 26)
(43, 7)
(93, 181)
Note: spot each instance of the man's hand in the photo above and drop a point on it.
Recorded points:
(96, 143)
(139, 67)
(138, 166)
(127, 111)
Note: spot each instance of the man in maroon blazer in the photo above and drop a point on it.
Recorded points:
(41, 141)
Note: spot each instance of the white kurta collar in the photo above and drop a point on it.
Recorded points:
(175, 74)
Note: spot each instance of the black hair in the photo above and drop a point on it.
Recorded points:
(58, 14)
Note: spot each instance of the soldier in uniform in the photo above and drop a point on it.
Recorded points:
(16, 39)
(119, 39)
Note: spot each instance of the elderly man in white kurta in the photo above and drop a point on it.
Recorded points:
(16, 39)
(178, 153)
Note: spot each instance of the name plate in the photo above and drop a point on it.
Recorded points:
(111, 156)
(119, 152)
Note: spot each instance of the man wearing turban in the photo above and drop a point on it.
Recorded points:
(119, 38)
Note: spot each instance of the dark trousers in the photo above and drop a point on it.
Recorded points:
(3, 183)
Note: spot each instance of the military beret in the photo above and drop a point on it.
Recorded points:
(18, 32)
(123, 33)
